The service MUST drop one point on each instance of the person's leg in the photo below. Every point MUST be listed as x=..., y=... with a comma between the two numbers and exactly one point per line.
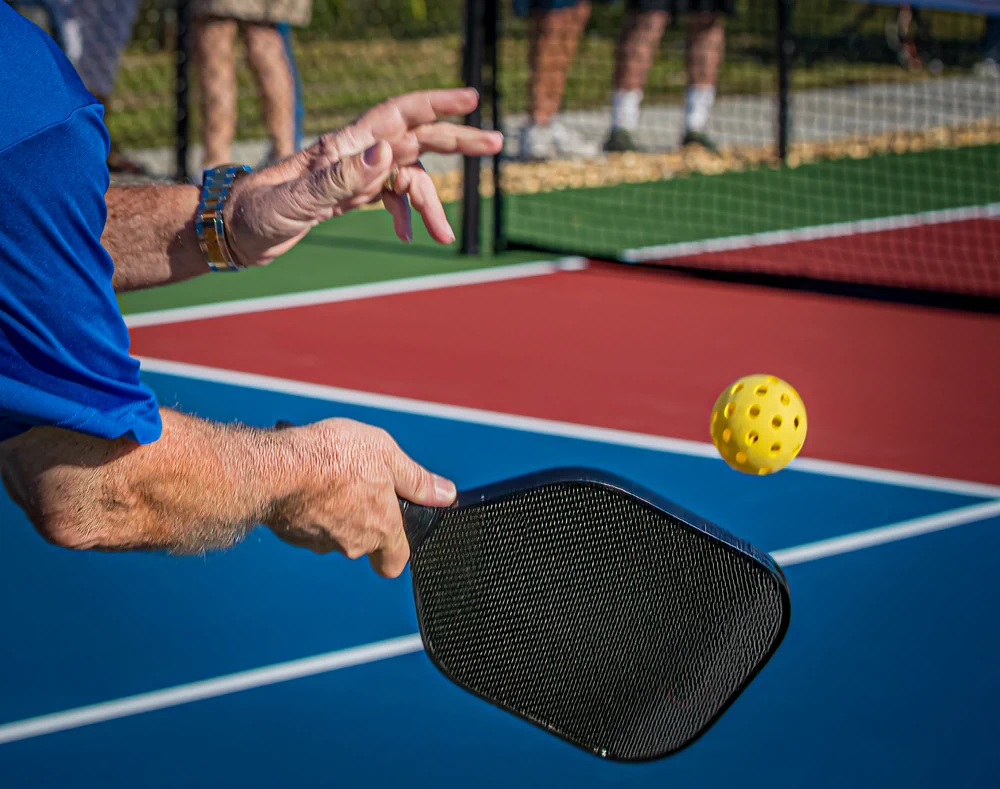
x=909, y=55
x=214, y=41
x=268, y=62
x=554, y=35
x=638, y=43
x=706, y=47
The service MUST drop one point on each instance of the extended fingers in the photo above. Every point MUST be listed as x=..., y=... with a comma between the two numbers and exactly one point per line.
x=402, y=222
x=446, y=138
x=416, y=183
x=402, y=113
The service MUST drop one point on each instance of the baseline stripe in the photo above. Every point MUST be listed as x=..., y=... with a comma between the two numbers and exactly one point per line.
x=209, y=688
x=816, y=232
x=885, y=534
x=404, y=645
x=353, y=292
x=552, y=427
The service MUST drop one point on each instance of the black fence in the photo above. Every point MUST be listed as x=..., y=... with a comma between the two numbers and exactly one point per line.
x=844, y=142
x=823, y=112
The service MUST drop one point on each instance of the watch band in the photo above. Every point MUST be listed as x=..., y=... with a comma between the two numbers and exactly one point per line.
x=209, y=224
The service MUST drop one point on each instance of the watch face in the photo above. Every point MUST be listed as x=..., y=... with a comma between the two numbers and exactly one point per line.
x=209, y=224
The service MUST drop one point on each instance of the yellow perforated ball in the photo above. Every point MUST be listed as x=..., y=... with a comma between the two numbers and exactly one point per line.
x=759, y=424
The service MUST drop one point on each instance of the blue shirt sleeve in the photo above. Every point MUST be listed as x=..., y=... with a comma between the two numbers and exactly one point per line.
x=64, y=347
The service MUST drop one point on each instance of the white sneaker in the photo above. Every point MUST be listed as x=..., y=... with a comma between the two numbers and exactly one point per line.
x=555, y=141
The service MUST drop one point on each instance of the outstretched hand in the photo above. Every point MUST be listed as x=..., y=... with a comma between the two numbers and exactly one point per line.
x=271, y=210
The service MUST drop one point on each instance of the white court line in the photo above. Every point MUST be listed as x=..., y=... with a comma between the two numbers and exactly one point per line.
x=551, y=427
x=403, y=645
x=208, y=688
x=777, y=237
x=354, y=292
x=883, y=534
x=539, y=268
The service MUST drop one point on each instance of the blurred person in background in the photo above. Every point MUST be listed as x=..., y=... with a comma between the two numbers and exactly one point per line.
x=900, y=33
x=556, y=27
x=638, y=44
x=215, y=24
x=96, y=33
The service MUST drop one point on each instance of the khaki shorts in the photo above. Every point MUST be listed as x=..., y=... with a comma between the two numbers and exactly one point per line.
x=292, y=12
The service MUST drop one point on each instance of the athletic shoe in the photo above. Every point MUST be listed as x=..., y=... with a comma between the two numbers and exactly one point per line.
x=700, y=139
x=620, y=141
x=555, y=141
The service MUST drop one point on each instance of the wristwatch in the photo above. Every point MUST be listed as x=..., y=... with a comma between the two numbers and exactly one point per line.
x=208, y=223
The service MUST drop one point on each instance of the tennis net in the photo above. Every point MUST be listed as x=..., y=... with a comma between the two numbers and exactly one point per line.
x=831, y=140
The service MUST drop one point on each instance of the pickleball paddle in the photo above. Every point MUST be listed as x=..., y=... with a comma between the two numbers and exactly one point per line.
x=593, y=609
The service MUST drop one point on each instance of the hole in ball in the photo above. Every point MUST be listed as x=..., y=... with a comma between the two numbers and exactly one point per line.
x=776, y=421
x=752, y=437
x=736, y=388
x=775, y=447
x=730, y=409
x=760, y=390
x=795, y=423
x=715, y=417
x=785, y=399
x=727, y=434
x=741, y=457
x=765, y=470
x=754, y=411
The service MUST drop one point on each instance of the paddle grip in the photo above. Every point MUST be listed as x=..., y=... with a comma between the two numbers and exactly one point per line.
x=417, y=522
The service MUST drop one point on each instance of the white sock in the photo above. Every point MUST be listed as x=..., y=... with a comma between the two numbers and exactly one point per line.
x=625, y=109
x=699, y=105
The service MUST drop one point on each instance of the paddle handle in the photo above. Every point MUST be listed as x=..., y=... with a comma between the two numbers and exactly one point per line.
x=417, y=522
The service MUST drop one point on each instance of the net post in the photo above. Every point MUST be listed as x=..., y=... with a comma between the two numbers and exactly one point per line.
x=182, y=92
x=493, y=31
x=786, y=49
x=472, y=75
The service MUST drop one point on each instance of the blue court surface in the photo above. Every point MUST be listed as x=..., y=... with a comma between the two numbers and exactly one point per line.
x=888, y=675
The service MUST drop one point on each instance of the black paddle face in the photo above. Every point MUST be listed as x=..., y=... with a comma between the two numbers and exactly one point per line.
x=615, y=620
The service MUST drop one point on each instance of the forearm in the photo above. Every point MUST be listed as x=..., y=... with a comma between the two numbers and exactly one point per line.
x=150, y=235
x=200, y=486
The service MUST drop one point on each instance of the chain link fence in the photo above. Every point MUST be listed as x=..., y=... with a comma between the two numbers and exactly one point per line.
x=162, y=66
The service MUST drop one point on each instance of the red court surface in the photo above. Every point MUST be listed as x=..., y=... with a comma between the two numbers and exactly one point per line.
x=897, y=387
x=955, y=257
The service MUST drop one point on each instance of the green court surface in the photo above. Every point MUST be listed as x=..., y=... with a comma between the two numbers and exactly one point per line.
x=349, y=250
x=360, y=247
x=696, y=207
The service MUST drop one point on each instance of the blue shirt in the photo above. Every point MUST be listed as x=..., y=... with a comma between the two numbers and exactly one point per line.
x=64, y=347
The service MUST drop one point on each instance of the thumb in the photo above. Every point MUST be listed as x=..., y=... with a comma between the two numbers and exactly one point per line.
x=343, y=185
x=415, y=483
x=357, y=179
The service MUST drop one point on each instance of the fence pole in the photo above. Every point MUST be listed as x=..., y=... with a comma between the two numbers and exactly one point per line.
x=472, y=74
x=786, y=51
x=182, y=84
x=493, y=32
